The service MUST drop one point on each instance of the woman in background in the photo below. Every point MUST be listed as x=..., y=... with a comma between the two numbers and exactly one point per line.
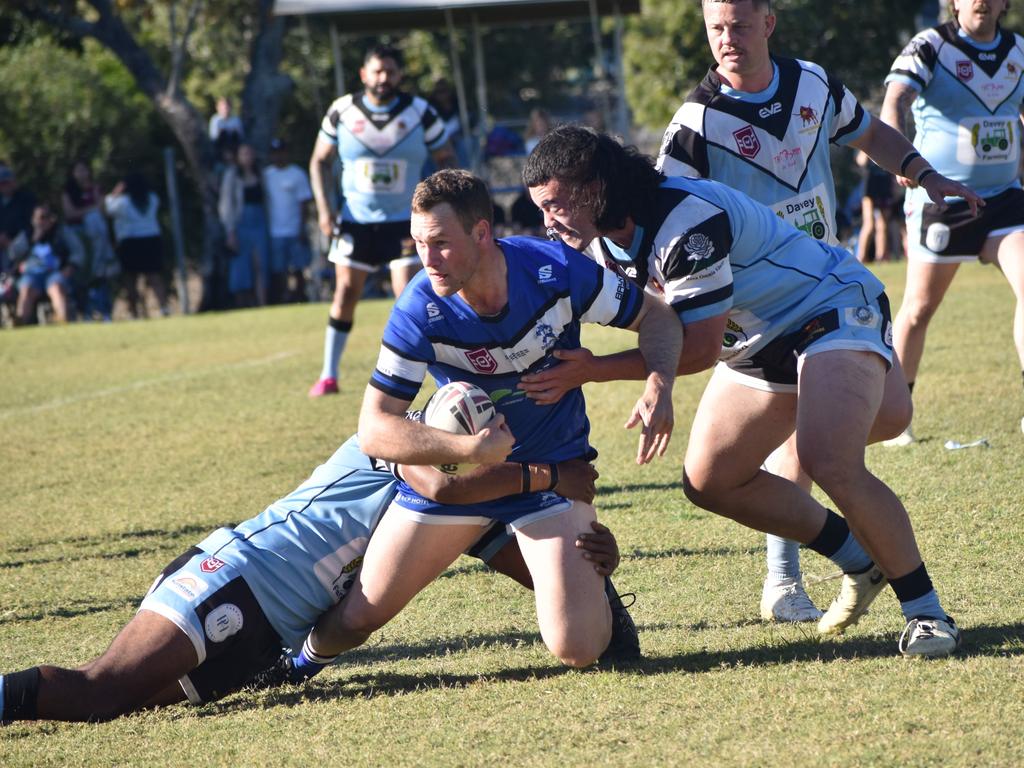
x=132, y=206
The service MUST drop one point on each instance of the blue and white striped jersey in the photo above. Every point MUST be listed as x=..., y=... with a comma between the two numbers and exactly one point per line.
x=382, y=152
x=552, y=289
x=708, y=249
x=773, y=145
x=302, y=554
x=967, y=113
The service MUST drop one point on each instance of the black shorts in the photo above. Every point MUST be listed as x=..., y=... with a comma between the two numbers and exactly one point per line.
x=239, y=641
x=776, y=363
x=878, y=189
x=142, y=255
x=954, y=234
x=369, y=246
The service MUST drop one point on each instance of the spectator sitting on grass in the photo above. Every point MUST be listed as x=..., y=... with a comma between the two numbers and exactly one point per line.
x=45, y=260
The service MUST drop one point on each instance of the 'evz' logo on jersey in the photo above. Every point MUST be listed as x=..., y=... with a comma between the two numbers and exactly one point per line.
x=746, y=141
x=544, y=274
x=482, y=360
x=964, y=69
x=771, y=109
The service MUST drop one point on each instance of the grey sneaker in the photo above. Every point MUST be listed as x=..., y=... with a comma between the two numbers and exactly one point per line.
x=787, y=601
x=903, y=439
x=858, y=591
x=929, y=638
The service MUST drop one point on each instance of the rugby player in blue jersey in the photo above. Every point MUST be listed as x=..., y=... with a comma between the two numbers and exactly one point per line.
x=227, y=609
x=488, y=311
x=964, y=83
x=769, y=305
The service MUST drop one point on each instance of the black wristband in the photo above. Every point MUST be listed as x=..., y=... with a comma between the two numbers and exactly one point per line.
x=553, y=468
x=925, y=174
x=912, y=155
x=526, y=476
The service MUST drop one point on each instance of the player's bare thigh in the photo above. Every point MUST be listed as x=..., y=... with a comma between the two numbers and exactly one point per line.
x=572, y=611
x=734, y=431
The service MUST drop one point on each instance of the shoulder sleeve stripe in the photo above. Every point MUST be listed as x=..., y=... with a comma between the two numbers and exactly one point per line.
x=859, y=116
x=894, y=74
x=400, y=353
x=392, y=391
x=704, y=299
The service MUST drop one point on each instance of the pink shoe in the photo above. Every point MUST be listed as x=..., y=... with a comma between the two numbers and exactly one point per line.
x=324, y=387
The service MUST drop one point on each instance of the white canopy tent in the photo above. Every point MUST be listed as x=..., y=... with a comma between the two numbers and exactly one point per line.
x=375, y=16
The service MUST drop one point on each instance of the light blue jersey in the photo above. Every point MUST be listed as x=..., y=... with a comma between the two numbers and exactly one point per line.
x=708, y=249
x=382, y=151
x=552, y=289
x=774, y=145
x=967, y=113
x=302, y=554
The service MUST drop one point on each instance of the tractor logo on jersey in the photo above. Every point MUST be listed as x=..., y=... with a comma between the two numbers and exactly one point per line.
x=746, y=141
x=734, y=334
x=965, y=69
x=482, y=360
x=809, y=115
x=992, y=139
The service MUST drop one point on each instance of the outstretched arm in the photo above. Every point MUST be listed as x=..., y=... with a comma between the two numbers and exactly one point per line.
x=573, y=479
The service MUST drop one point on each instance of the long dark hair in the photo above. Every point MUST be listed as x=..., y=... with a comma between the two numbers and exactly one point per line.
x=137, y=189
x=618, y=181
x=71, y=185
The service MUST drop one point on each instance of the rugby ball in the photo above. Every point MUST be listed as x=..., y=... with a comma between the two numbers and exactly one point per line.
x=461, y=408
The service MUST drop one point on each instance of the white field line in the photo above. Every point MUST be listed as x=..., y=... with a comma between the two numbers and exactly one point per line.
x=141, y=384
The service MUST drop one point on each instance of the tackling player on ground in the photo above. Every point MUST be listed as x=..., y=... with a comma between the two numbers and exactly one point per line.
x=224, y=611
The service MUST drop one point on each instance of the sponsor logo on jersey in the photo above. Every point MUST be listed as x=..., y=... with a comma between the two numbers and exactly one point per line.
x=620, y=289
x=964, y=69
x=223, y=621
x=987, y=56
x=433, y=312
x=189, y=587
x=544, y=274
x=211, y=564
x=1011, y=68
x=358, y=126
x=353, y=565
x=746, y=141
x=772, y=109
x=698, y=247
x=734, y=334
x=809, y=115
x=482, y=360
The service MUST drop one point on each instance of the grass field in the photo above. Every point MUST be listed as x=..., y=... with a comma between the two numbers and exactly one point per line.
x=124, y=444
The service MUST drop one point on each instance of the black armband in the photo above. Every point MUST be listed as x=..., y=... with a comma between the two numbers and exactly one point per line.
x=912, y=155
x=21, y=689
x=553, y=468
x=925, y=174
x=526, y=477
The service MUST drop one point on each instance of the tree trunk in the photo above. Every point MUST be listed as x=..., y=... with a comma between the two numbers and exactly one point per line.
x=265, y=87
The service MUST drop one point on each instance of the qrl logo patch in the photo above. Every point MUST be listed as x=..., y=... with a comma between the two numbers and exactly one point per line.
x=746, y=141
x=482, y=360
x=211, y=564
x=964, y=69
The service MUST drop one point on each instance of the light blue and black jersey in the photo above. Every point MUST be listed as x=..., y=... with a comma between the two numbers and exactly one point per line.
x=774, y=145
x=302, y=554
x=708, y=249
x=382, y=152
x=552, y=289
x=967, y=113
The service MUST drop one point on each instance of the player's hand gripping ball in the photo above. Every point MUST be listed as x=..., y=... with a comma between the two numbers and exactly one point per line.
x=461, y=408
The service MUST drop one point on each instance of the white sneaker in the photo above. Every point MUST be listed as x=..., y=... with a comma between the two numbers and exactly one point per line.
x=855, y=595
x=930, y=637
x=787, y=601
x=905, y=438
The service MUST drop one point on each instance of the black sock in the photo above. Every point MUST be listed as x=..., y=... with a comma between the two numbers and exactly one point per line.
x=21, y=689
x=832, y=535
x=915, y=584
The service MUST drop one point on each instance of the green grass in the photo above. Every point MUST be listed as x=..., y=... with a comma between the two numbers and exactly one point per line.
x=123, y=444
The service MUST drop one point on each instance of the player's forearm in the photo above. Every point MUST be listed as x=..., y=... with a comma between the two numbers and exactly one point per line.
x=487, y=482
x=393, y=438
x=661, y=341
x=890, y=149
x=319, y=177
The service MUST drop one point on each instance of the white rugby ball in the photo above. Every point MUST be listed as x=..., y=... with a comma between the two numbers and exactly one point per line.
x=461, y=408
